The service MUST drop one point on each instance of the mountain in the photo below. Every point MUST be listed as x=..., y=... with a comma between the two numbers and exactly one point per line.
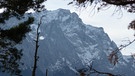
x=67, y=44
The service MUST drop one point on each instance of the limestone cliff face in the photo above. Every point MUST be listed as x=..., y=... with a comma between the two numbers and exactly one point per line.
x=67, y=44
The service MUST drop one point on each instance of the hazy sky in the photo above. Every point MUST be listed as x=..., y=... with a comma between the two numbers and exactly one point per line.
x=114, y=24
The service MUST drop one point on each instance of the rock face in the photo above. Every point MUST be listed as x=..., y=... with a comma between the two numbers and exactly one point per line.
x=67, y=44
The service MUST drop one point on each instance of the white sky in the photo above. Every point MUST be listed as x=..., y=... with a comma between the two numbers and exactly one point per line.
x=115, y=25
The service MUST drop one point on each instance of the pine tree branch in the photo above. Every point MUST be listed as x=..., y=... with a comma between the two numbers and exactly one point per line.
x=90, y=71
x=113, y=57
x=120, y=2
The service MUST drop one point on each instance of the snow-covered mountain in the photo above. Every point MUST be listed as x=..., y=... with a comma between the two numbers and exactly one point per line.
x=67, y=44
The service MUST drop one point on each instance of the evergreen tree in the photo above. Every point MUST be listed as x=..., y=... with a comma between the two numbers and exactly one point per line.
x=9, y=55
x=18, y=7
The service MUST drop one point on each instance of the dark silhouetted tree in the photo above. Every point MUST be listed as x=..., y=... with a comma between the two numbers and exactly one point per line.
x=36, y=57
x=18, y=7
x=9, y=55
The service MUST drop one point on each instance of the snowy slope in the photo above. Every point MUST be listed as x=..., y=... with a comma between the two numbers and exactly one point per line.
x=67, y=44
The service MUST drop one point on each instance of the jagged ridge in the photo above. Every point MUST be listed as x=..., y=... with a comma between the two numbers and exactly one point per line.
x=67, y=44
